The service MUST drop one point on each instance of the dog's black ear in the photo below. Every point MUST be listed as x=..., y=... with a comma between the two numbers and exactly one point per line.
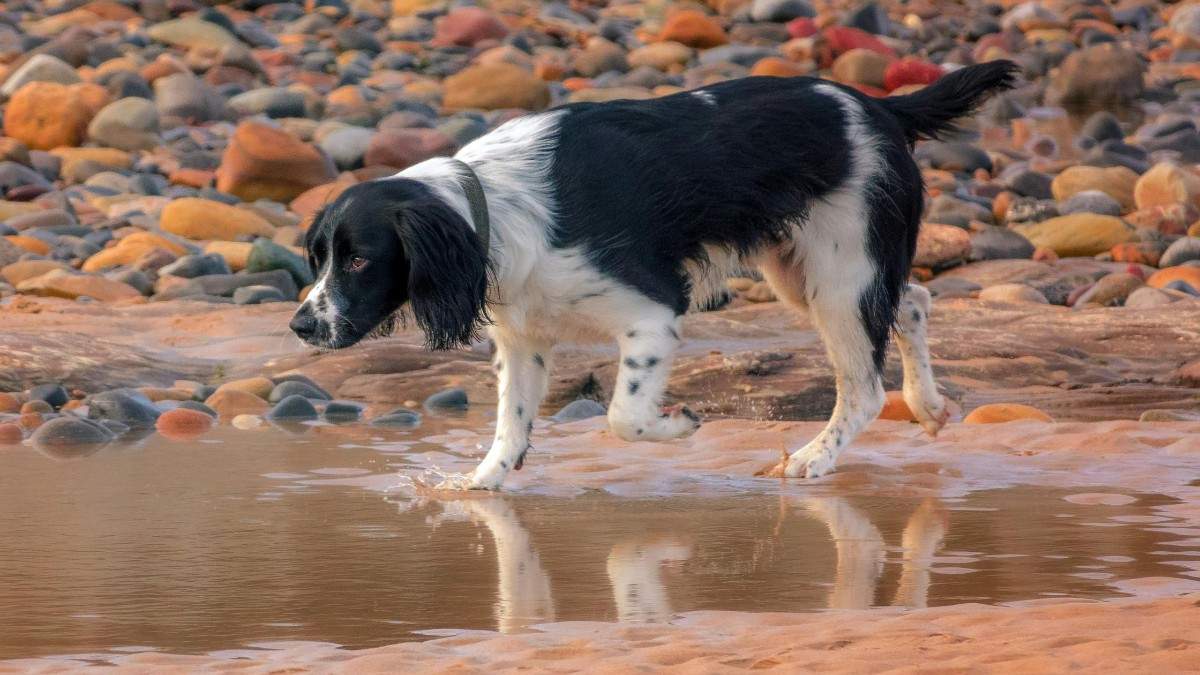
x=448, y=273
x=310, y=239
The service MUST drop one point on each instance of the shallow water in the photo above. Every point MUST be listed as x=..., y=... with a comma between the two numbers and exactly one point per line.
x=250, y=538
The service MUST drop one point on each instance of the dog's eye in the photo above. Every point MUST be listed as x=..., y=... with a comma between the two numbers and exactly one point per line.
x=357, y=264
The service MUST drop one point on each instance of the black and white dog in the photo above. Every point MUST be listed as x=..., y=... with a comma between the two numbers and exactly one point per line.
x=609, y=220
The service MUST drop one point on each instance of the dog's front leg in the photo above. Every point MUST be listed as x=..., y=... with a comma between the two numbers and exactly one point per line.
x=523, y=366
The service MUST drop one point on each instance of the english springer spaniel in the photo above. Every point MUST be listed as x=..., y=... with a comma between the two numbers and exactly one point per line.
x=609, y=220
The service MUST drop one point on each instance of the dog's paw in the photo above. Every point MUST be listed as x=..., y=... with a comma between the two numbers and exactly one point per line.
x=487, y=476
x=800, y=465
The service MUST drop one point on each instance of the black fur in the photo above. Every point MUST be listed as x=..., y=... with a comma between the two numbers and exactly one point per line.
x=420, y=250
x=931, y=112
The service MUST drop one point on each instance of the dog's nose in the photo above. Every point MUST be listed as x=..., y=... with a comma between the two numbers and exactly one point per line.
x=303, y=324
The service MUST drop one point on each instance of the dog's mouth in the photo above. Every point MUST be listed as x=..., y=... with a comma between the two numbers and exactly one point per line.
x=343, y=333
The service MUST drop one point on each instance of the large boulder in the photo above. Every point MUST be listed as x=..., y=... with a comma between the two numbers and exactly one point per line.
x=265, y=162
x=495, y=86
x=45, y=115
x=196, y=218
x=1079, y=234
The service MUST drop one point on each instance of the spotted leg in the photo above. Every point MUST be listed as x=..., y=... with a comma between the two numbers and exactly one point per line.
x=920, y=390
x=522, y=366
x=647, y=348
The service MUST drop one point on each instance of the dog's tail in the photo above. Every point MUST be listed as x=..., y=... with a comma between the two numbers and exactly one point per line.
x=931, y=112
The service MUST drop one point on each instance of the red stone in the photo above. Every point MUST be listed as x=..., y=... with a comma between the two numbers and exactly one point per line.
x=802, y=27
x=467, y=26
x=910, y=70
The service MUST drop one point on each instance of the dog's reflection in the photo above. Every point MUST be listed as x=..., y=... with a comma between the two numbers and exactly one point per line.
x=861, y=552
x=635, y=566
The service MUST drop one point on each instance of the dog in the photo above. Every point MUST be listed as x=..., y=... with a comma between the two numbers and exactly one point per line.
x=608, y=221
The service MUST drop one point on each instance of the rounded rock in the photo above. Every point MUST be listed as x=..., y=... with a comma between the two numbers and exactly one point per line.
x=183, y=423
x=447, y=399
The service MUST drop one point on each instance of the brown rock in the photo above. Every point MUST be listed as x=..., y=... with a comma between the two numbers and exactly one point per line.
x=9, y=403
x=235, y=253
x=1185, y=273
x=28, y=243
x=28, y=269
x=941, y=246
x=773, y=66
x=465, y=26
x=63, y=284
x=694, y=29
x=230, y=403
x=183, y=424
x=896, y=409
x=196, y=218
x=11, y=434
x=1079, y=234
x=660, y=55
x=265, y=162
x=46, y=115
x=311, y=200
x=1013, y=293
x=258, y=386
x=1142, y=252
x=494, y=87
x=401, y=148
x=861, y=66
x=1167, y=184
x=996, y=413
x=1104, y=74
x=1115, y=181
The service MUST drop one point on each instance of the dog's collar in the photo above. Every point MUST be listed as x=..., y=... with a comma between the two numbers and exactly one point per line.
x=470, y=184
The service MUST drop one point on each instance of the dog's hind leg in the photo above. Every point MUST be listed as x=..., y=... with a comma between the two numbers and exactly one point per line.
x=523, y=368
x=647, y=348
x=920, y=390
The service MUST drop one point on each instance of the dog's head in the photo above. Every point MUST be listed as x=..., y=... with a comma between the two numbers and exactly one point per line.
x=385, y=243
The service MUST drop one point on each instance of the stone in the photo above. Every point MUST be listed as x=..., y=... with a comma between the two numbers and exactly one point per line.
x=196, y=218
x=910, y=71
x=953, y=287
x=342, y=412
x=1102, y=126
x=1140, y=252
x=774, y=66
x=225, y=285
x=493, y=87
x=447, y=399
x=467, y=26
x=579, y=409
x=266, y=255
x=960, y=157
x=190, y=33
x=861, y=66
x=54, y=395
x=235, y=253
x=19, y=271
x=46, y=115
x=996, y=413
x=895, y=408
x=940, y=246
x=1165, y=184
x=247, y=421
x=402, y=148
x=1013, y=293
x=1145, y=297
x=348, y=146
x=39, y=68
x=125, y=406
x=663, y=56
x=230, y=403
x=1034, y=184
x=400, y=417
x=1111, y=290
x=780, y=11
x=294, y=409
x=1187, y=274
x=1090, y=201
x=694, y=29
x=257, y=295
x=269, y=101
x=258, y=386
x=11, y=434
x=948, y=210
x=1115, y=181
x=1106, y=74
x=35, y=406
x=190, y=266
x=265, y=162
x=297, y=388
x=1179, y=252
x=600, y=56
x=999, y=243
x=63, y=284
x=1079, y=234
x=182, y=424
x=69, y=433
x=185, y=97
